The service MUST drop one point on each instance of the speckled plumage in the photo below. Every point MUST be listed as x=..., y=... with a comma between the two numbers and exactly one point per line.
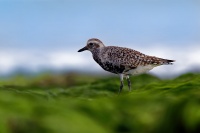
x=120, y=60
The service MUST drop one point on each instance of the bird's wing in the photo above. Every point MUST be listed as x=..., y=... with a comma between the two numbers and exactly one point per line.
x=130, y=59
x=123, y=57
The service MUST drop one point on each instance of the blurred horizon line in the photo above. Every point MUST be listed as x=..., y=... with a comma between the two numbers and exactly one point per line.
x=13, y=61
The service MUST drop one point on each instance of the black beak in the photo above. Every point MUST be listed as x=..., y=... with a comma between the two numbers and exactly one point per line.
x=83, y=49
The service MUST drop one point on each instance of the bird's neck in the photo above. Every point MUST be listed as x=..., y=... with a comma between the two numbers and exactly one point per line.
x=96, y=55
x=96, y=50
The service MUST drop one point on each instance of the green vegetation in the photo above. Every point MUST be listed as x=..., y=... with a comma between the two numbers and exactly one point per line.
x=87, y=104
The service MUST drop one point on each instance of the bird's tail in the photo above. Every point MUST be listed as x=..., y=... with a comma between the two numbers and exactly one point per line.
x=159, y=61
x=166, y=62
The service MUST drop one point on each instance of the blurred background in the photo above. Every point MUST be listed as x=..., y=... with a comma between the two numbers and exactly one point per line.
x=46, y=86
x=39, y=36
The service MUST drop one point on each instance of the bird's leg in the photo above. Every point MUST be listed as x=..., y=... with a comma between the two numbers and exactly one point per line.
x=129, y=82
x=122, y=83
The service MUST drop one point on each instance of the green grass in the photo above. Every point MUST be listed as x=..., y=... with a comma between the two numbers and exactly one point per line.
x=88, y=104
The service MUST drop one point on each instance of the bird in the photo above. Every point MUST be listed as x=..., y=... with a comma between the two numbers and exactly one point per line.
x=122, y=61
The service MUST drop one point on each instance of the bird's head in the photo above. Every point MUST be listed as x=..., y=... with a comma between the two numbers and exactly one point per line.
x=92, y=44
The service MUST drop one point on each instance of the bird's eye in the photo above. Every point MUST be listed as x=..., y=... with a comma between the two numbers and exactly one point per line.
x=90, y=44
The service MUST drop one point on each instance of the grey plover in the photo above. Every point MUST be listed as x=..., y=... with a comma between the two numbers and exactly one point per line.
x=122, y=61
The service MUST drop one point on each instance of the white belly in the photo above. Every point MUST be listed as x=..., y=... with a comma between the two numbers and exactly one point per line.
x=140, y=69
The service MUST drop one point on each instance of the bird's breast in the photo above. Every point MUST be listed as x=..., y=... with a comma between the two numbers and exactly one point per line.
x=111, y=67
x=108, y=65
